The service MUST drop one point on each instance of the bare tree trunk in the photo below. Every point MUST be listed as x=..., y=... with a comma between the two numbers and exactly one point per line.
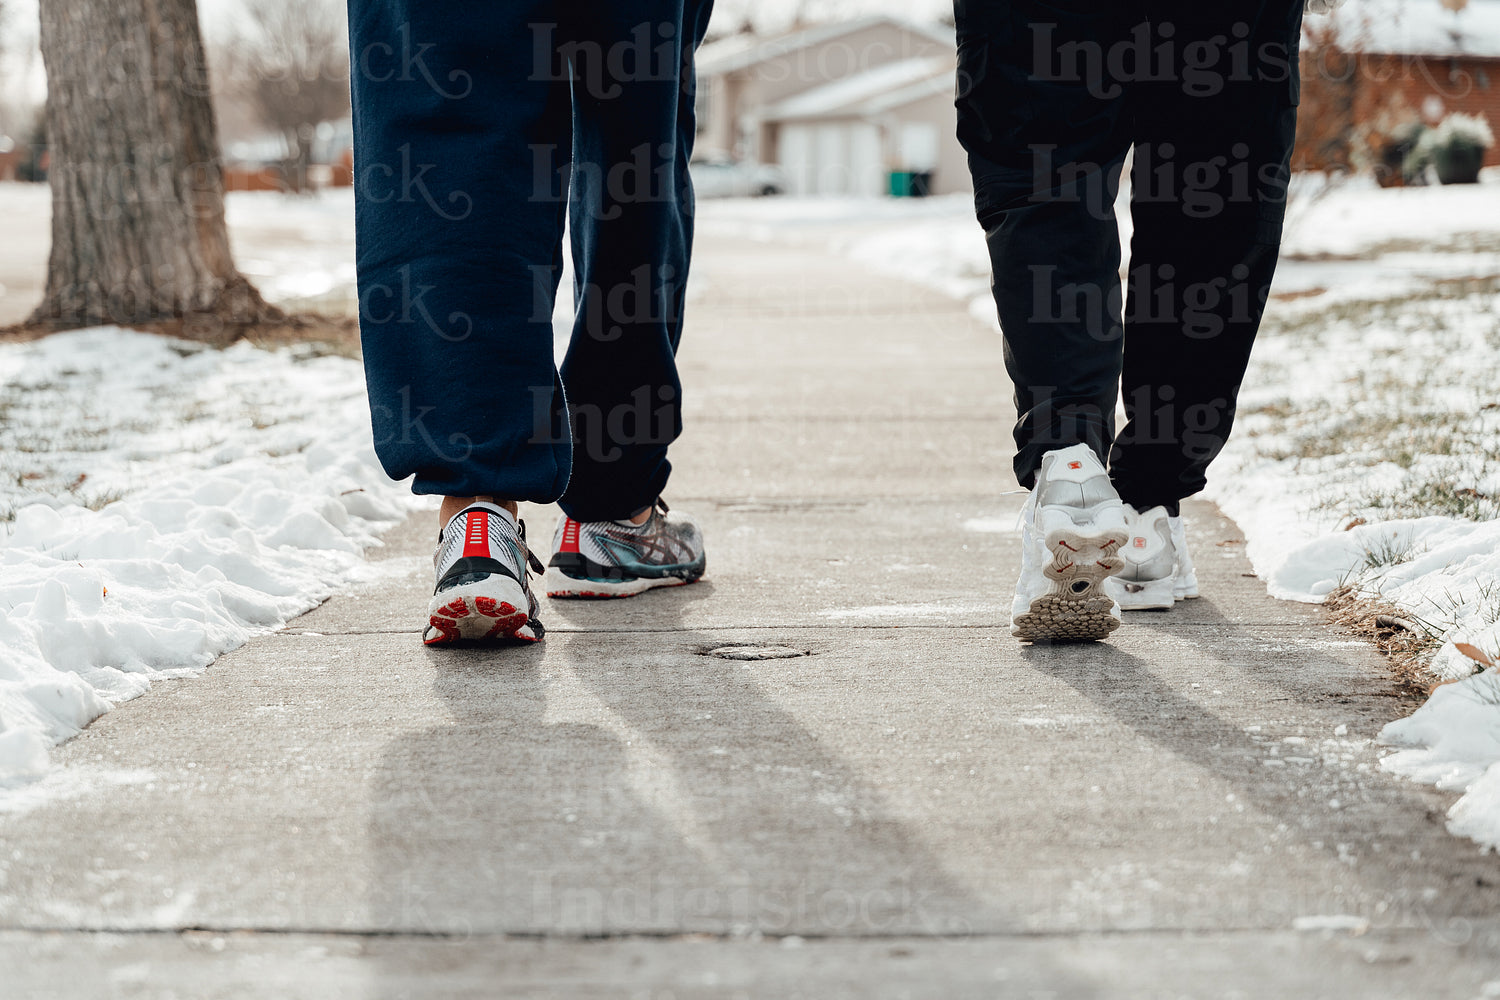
x=138, y=231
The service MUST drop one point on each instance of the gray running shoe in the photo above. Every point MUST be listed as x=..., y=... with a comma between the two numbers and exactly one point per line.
x=620, y=559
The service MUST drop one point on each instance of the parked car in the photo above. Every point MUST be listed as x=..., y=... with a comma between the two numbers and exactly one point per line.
x=723, y=177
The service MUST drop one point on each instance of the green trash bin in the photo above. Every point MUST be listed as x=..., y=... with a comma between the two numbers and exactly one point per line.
x=910, y=183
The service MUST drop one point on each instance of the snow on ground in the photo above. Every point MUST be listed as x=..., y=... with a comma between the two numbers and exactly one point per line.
x=161, y=503
x=1370, y=405
x=299, y=251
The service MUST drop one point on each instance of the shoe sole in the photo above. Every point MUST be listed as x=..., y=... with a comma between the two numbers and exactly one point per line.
x=1148, y=595
x=487, y=612
x=1076, y=608
x=564, y=587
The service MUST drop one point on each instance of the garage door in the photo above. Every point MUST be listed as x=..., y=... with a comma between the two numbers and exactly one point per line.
x=832, y=158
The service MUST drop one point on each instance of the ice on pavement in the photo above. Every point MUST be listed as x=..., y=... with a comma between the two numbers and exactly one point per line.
x=164, y=504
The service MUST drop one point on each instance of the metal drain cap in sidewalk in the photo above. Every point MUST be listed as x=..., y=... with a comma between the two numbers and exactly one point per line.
x=755, y=652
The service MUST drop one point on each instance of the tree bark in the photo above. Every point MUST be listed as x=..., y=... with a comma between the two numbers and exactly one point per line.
x=138, y=234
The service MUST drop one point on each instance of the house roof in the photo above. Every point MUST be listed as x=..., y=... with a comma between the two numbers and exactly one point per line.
x=886, y=86
x=743, y=51
x=1414, y=28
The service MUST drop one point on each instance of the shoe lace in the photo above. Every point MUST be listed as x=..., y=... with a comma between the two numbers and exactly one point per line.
x=532, y=562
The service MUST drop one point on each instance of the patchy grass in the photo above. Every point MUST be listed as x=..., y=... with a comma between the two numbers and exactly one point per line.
x=1388, y=405
x=1409, y=640
x=1408, y=643
x=1382, y=410
x=1441, y=496
x=1387, y=551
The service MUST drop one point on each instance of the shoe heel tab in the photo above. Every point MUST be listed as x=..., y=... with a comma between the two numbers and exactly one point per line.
x=570, y=532
x=489, y=508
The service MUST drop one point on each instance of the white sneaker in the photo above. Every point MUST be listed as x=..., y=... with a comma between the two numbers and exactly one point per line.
x=1149, y=580
x=1186, y=586
x=1158, y=569
x=1072, y=528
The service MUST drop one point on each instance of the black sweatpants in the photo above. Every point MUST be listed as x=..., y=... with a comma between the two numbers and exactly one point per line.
x=1052, y=94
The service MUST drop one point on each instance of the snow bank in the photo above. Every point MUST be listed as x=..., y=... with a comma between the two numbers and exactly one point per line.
x=1453, y=742
x=234, y=489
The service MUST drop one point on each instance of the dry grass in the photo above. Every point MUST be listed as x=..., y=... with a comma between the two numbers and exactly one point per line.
x=1406, y=643
x=327, y=334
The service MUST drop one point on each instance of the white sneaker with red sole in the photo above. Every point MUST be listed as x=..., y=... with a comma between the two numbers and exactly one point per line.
x=482, y=594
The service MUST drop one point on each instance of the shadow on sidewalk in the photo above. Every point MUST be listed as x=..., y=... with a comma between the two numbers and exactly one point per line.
x=694, y=804
x=1403, y=851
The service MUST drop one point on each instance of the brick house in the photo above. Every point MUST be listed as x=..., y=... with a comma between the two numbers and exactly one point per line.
x=1375, y=66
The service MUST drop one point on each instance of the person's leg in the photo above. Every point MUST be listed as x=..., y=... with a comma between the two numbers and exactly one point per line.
x=1042, y=119
x=454, y=122
x=632, y=230
x=1213, y=145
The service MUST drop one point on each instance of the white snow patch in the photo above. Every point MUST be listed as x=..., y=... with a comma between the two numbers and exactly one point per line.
x=59, y=784
x=904, y=611
x=1331, y=922
x=1008, y=525
x=167, y=502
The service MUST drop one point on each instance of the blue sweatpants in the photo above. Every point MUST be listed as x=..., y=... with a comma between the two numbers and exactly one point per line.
x=478, y=130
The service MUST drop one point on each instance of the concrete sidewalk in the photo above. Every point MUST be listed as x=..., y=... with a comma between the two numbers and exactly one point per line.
x=908, y=804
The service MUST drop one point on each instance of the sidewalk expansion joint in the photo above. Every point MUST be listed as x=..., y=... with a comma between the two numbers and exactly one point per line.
x=832, y=626
x=672, y=935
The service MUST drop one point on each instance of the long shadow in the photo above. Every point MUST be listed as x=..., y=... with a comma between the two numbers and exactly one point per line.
x=811, y=846
x=504, y=822
x=1389, y=847
x=710, y=810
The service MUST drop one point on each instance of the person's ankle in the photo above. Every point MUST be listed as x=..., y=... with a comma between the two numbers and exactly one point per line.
x=453, y=506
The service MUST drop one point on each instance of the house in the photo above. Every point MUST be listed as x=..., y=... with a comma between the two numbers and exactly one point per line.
x=840, y=107
x=1376, y=66
x=11, y=158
